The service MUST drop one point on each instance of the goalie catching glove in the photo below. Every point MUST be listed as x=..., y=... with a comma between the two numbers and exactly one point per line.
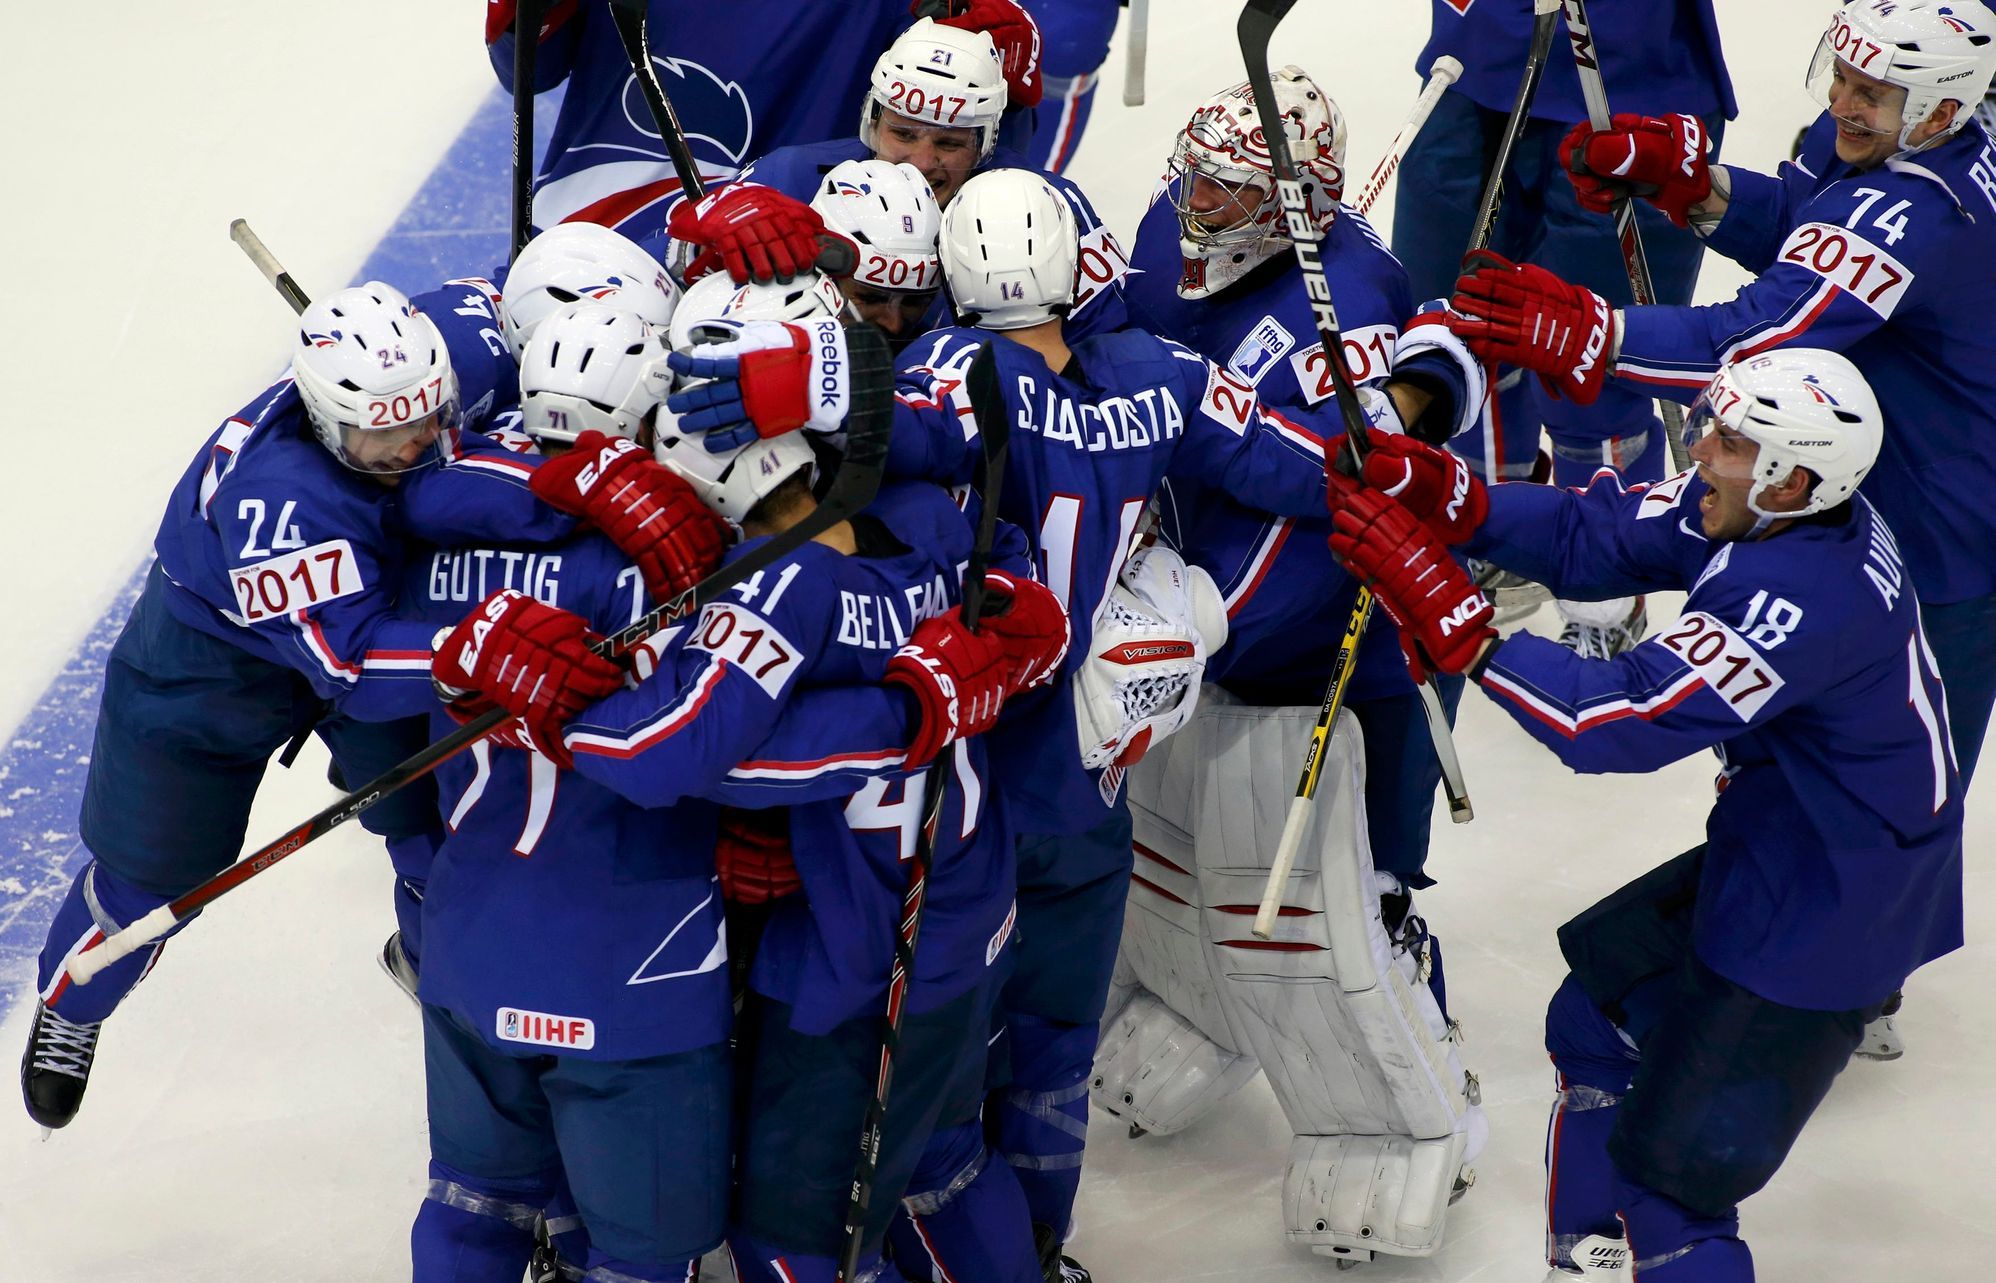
x=531, y=659
x=646, y=509
x=960, y=679
x=769, y=379
x=1140, y=682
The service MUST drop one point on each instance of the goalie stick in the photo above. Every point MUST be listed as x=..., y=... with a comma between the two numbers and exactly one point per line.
x=1628, y=236
x=869, y=428
x=1257, y=24
x=994, y=437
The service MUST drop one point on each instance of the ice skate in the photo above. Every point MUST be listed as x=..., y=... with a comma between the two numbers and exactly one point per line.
x=1602, y=629
x=1881, y=1036
x=1596, y=1259
x=1056, y=1267
x=55, y=1068
x=396, y=963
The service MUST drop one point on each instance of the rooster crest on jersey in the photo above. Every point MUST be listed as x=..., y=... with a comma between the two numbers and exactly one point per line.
x=726, y=119
x=1224, y=232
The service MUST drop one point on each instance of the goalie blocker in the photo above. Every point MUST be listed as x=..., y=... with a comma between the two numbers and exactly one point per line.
x=1384, y=1113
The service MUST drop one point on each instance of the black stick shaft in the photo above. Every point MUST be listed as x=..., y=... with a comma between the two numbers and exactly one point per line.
x=526, y=46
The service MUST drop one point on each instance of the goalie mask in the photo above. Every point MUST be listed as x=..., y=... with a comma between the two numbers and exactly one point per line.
x=1140, y=682
x=375, y=378
x=1229, y=217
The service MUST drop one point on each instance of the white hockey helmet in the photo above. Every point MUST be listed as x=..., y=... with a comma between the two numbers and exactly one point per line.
x=582, y=262
x=715, y=297
x=1009, y=245
x=1936, y=50
x=1804, y=407
x=731, y=482
x=1223, y=143
x=941, y=76
x=591, y=367
x=374, y=376
x=890, y=215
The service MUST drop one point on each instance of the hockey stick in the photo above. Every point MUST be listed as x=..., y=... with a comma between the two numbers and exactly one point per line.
x=1443, y=74
x=266, y=262
x=869, y=427
x=1543, y=13
x=526, y=19
x=836, y=255
x=1139, y=51
x=1257, y=25
x=994, y=434
x=1627, y=235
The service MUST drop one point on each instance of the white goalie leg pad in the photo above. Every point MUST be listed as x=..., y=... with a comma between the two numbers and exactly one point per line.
x=1166, y=1055
x=1156, y=1071
x=1354, y=1045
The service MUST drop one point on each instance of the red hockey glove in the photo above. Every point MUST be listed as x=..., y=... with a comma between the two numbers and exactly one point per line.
x=645, y=508
x=756, y=232
x=1444, y=618
x=958, y=678
x=1027, y=619
x=1659, y=158
x=1436, y=486
x=1011, y=28
x=753, y=856
x=530, y=659
x=1525, y=315
x=500, y=14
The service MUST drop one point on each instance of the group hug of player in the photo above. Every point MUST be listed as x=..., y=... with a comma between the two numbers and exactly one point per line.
x=658, y=920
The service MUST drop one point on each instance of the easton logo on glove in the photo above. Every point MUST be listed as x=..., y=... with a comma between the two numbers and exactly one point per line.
x=612, y=450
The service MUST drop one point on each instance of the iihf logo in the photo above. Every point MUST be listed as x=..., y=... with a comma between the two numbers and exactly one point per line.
x=711, y=109
x=512, y=1024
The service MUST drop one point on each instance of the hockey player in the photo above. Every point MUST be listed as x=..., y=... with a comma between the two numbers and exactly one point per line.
x=1876, y=243
x=935, y=101
x=1655, y=57
x=582, y=262
x=869, y=599
x=603, y=1068
x=1096, y=426
x=892, y=220
x=270, y=606
x=1712, y=1001
x=743, y=81
x=1215, y=269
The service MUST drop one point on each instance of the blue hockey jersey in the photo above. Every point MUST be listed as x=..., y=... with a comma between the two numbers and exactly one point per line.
x=1656, y=57
x=1100, y=263
x=559, y=917
x=270, y=544
x=1892, y=267
x=817, y=619
x=1288, y=599
x=744, y=79
x=1834, y=864
x=1089, y=447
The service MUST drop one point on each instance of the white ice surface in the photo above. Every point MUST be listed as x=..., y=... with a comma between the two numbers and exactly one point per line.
x=257, y=1112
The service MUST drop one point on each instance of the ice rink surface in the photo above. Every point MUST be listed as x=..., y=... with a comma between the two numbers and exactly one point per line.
x=257, y=1109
